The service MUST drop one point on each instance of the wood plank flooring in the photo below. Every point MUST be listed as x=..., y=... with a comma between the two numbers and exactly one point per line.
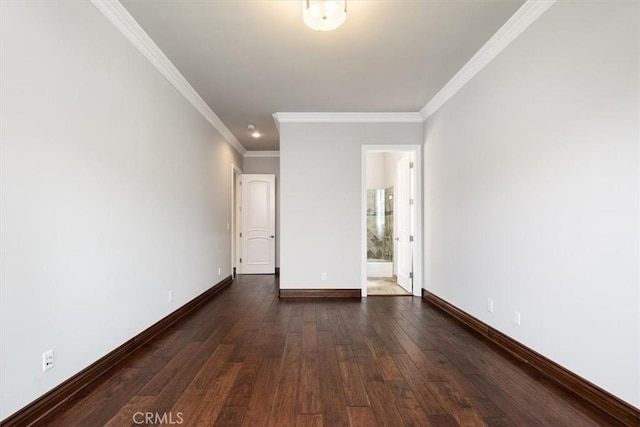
x=248, y=358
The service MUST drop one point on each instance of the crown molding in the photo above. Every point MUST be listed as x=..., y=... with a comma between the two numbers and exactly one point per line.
x=262, y=154
x=346, y=118
x=520, y=21
x=123, y=21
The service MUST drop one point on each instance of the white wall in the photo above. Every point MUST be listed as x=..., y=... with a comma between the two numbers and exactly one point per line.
x=268, y=165
x=320, y=199
x=114, y=191
x=382, y=169
x=532, y=192
x=376, y=171
x=391, y=160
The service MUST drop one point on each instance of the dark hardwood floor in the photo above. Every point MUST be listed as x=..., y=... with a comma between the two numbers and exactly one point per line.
x=249, y=358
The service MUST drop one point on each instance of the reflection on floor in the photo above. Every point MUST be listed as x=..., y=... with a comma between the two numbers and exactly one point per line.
x=384, y=286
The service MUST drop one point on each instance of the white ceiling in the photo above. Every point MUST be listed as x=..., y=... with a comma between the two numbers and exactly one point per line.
x=249, y=59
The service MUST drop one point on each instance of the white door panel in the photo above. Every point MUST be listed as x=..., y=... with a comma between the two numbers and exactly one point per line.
x=403, y=237
x=258, y=224
x=258, y=251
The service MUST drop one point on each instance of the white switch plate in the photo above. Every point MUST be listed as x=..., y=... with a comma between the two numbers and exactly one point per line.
x=219, y=271
x=490, y=305
x=516, y=317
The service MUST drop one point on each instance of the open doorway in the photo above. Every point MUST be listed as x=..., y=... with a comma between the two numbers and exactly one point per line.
x=391, y=251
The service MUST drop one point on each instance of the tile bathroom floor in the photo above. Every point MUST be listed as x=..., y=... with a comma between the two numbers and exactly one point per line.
x=384, y=286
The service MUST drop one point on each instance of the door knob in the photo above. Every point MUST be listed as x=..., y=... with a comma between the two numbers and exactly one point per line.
x=272, y=236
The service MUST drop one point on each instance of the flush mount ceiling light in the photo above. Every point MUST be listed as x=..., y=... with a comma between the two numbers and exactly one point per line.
x=255, y=132
x=324, y=15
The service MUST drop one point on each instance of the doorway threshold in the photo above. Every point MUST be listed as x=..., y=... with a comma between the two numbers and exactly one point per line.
x=385, y=286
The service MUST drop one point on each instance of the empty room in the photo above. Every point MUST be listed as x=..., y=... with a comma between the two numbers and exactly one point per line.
x=320, y=212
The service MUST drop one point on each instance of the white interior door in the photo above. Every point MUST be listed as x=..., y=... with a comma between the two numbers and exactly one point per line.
x=237, y=226
x=258, y=224
x=403, y=234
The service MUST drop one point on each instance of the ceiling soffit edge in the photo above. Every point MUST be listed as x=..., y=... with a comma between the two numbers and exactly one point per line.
x=346, y=118
x=262, y=154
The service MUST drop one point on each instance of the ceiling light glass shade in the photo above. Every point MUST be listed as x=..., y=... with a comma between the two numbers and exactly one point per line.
x=324, y=15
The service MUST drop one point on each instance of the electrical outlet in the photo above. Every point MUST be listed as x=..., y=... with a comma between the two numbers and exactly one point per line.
x=490, y=305
x=47, y=360
x=516, y=317
x=323, y=276
x=219, y=271
x=170, y=296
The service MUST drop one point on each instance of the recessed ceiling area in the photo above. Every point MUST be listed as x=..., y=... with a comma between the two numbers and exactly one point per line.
x=250, y=59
